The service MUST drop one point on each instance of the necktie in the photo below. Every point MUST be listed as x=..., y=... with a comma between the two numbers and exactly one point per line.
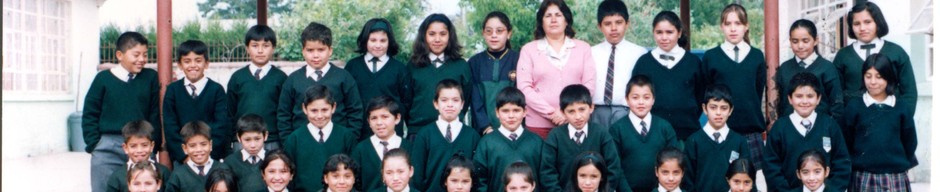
x=384, y=147
x=130, y=76
x=319, y=74
x=438, y=62
x=867, y=49
x=201, y=170
x=802, y=64
x=716, y=135
x=667, y=57
x=807, y=124
x=321, y=136
x=736, y=60
x=643, y=130
x=193, y=88
x=577, y=137
x=253, y=159
x=448, y=136
x=513, y=136
x=375, y=64
x=258, y=74
x=609, y=86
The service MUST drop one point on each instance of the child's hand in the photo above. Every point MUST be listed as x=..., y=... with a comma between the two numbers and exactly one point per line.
x=488, y=130
x=557, y=118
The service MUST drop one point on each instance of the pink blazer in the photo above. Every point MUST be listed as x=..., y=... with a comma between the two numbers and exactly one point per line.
x=542, y=82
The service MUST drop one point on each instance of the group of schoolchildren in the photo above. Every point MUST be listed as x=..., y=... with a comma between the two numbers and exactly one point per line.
x=381, y=125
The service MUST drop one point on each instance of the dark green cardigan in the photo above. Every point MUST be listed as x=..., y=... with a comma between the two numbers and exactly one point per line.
x=560, y=151
x=389, y=81
x=679, y=91
x=881, y=139
x=431, y=152
x=707, y=160
x=496, y=152
x=638, y=153
x=423, y=87
x=784, y=146
x=111, y=103
x=248, y=175
x=209, y=106
x=849, y=65
x=310, y=156
x=342, y=86
x=249, y=96
x=370, y=165
x=746, y=80
x=832, y=102
x=184, y=179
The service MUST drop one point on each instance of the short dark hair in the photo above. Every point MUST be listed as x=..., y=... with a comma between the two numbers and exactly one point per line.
x=447, y=84
x=317, y=32
x=275, y=155
x=563, y=7
x=812, y=155
x=316, y=92
x=195, y=128
x=383, y=102
x=420, y=49
x=876, y=15
x=521, y=168
x=574, y=93
x=590, y=158
x=741, y=165
x=129, y=40
x=885, y=68
x=376, y=25
x=333, y=163
x=396, y=153
x=147, y=166
x=675, y=21
x=261, y=33
x=221, y=175
x=458, y=161
x=510, y=95
x=670, y=153
x=192, y=46
x=498, y=15
x=640, y=81
x=137, y=128
x=250, y=123
x=803, y=79
x=718, y=92
x=611, y=8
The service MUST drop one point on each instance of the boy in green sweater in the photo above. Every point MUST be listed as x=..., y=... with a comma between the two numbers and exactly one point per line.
x=252, y=133
x=254, y=89
x=138, y=146
x=384, y=115
x=320, y=138
x=435, y=144
x=711, y=150
x=509, y=143
x=190, y=175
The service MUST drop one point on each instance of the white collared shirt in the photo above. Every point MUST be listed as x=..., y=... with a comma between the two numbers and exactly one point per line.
x=315, y=131
x=435, y=57
x=559, y=58
x=663, y=189
x=506, y=132
x=272, y=190
x=808, y=60
x=120, y=72
x=455, y=127
x=821, y=188
x=797, y=122
x=625, y=58
x=246, y=156
x=572, y=131
x=636, y=121
x=879, y=43
x=200, y=85
x=890, y=100
x=393, y=143
x=264, y=69
x=382, y=60
x=311, y=72
x=130, y=164
x=406, y=189
x=710, y=131
x=676, y=52
x=205, y=170
x=743, y=50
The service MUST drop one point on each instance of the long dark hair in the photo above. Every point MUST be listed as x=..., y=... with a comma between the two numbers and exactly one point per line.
x=589, y=158
x=419, y=55
x=885, y=68
x=375, y=25
x=810, y=28
x=563, y=7
x=673, y=19
x=499, y=15
x=742, y=15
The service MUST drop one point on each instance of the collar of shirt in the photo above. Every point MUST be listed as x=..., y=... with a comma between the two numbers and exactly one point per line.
x=200, y=85
x=636, y=121
x=264, y=69
x=311, y=71
x=315, y=131
x=808, y=60
x=572, y=131
x=821, y=188
x=407, y=188
x=455, y=127
x=393, y=143
x=120, y=72
x=246, y=155
x=272, y=190
x=663, y=189
x=435, y=57
x=560, y=58
x=626, y=55
x=382, y=60
x=192, y=165
x=130, y=164
x=797, y=121
x=743, y=49
x=890, y=100
x=676, y=52
x=506, y=132
x=709, y=131
x=879, y=43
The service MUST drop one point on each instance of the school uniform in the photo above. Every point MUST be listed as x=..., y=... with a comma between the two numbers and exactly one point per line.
x=829, y=81
x=615, y=66
x=561, y=149
x=745, y=73
x=544, y=72
x=789, y=138
x=246, y=169
x=310, y=150
x=660, y=188
x=499, y=149
x=423, y=87
x=432, y=150
x=679, y=84
x=255, y=90
x=369, y=154
x=114, y=99
x=849, y=60
x=822, y=188
x=882, y=139
x=348, y=113
x=638, y=141
x=188, y=176
x=709, y=153
x=387, y=76
x=407, y=189
x=117, y=182
x=491, y=72
x=204, y=100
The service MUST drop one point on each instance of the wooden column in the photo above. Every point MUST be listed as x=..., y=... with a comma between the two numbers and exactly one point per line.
x=262, y=12
x=164, y=60
x=772, y=55
x=684, y=12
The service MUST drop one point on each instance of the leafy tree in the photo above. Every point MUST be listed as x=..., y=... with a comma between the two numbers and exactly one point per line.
x=241, y=9
x=521, y=15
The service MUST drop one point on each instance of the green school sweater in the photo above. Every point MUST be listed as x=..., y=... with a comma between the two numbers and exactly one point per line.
x=881, y=139
x=849, y=65
x=248, y=175
x=560, y=151
x=310, y=156
x=431, y=152
x=831, y=86
x=184, y=179
x=707, y=160
x=246, y=95
x=679, y=91
x=118, y=180
x=784, y=146
x=746, y=80
x=209, y=106
x=342, y=86
x=638, y=153
x=111, y=103
x=389, y=81
x=423, y=86
x=370, y=165
x=496, y=152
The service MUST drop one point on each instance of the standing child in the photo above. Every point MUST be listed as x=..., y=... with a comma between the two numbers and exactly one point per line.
x=437, y=142
x=711, y=150
x=138, y=146
x=319, y=139
x=190, y=174
x=122, y=94
x=641, y=135
x=397, y=171
x=252, y=134
x=868, y=28
x=142, y=177
x=377, y=72
x=813, y=170
x=614, y=60
x=802, y=130
x=577, y=136
x=492, y=70
x=436, y=56
x=221, y=180
x=384, y=114
x=510, y=143
x=803, y=41
x=254, y=89
x=740, y=176
x=670, y=168
x=519, y=177
x=196, y=98
x=879, y=130
x=317, y=41
x=458, y=175
x=339, y=174
x=742, y=68
x=589, y=174
x=277, y=170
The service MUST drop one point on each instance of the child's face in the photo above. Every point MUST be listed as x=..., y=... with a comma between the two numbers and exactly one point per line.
x=252, y=141
x=496, y=34
x=383, y=123
x=396, y=173
x=319, y=112
x=577, y=114
x=666, y=35
x=260, y=51
x=341, y=180
x=510, y=116
x=733, y=28
x=378, y=43
x=437, y=37
x=718, y=112
x=143, y=181
x=193, y=66
x=875, y=83
x=589, y=178
x=553, y=22
x=812, y=174
x=133, y=59
x=316, y=54
x=277, y=175
x=802, y=43
x=449, y=104
x=740, y=183
x=804, y=100
x=613, y=27
x=459, y=180
x=517, y=183
x=198, y=148
x=138, y=149
x=640, y=100
x=669, y=174
x=864, y=27
x=220, y=186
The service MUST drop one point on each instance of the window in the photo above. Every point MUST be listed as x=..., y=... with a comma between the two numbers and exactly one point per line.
x=923, y=23
x=36, y=59
x=827, y=14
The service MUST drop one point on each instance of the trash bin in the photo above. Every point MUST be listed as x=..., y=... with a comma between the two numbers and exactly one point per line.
x=76, y=139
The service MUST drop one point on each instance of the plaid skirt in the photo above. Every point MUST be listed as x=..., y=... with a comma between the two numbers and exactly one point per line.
x=755, y=142
x=893, y=182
